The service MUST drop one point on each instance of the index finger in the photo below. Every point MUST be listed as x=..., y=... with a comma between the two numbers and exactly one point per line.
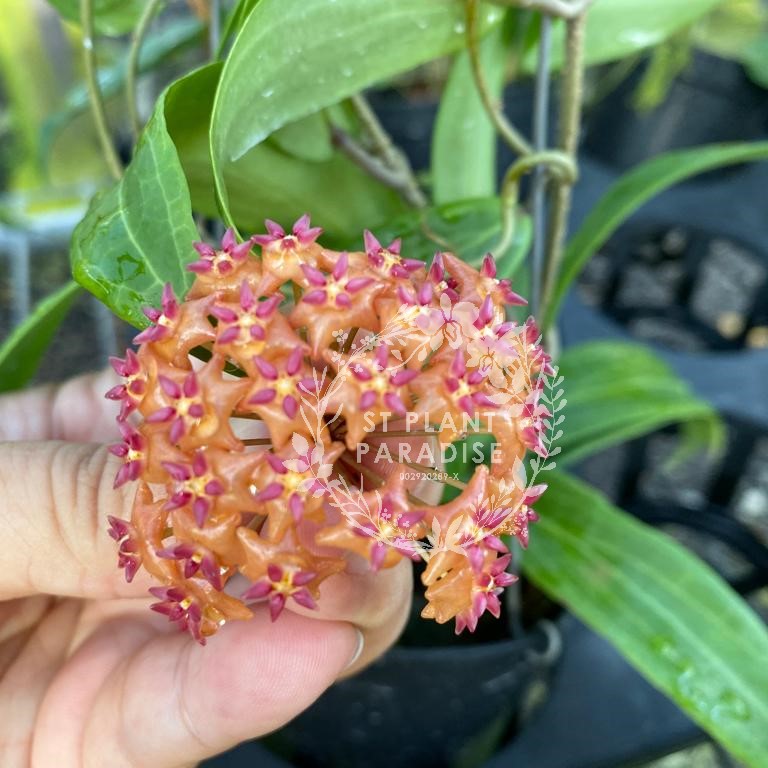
x=55, y=498
x=74, y=410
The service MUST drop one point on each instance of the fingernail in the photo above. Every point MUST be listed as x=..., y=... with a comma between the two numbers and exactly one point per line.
x=358, y=648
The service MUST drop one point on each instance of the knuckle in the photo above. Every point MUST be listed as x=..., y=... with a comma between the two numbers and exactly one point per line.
x=81, y=494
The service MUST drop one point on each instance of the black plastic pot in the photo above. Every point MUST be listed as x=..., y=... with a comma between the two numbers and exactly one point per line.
x=689, y=287
x=688, y=275
x=678, y=314
x=712, y=100
x=715, y=505
x=432, y=707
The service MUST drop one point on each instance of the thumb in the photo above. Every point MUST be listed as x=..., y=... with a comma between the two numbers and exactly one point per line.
x=131, y=697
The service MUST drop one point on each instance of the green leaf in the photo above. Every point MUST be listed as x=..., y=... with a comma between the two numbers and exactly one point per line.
x=617, y=392
x=731, y=28
x=619, y=28
x=667, y=612
x=756, y=61
x=138, y=235
x=267, y=182
x=469, y=228
x=633, y=189
x=157, y=48
x=21, y=352
x=294, y=57
x=307, y=139
x=665, y=63
x=464, y=140
x=470, y=452
x=110, y=17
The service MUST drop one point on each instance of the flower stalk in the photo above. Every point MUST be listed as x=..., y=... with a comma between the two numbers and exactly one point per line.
x=95, y=95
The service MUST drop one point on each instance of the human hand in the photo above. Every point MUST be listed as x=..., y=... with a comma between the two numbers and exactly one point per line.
x=90, y=677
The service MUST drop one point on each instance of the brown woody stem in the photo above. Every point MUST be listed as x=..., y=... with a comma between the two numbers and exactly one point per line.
x=387, y=162
x=399, y=179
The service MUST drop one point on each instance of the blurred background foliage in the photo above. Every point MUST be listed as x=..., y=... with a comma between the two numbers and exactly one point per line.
x=49, y=153
x=50, y=160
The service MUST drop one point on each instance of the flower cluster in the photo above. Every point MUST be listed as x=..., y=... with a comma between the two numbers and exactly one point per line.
x=243, y=413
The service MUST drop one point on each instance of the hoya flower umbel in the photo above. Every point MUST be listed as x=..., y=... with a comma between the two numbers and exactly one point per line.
x=387, y=261
x=227, y=267
x=132, y=390
x=369, y=388
x=279, y=584
x=284, y=255
x=252, y=423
